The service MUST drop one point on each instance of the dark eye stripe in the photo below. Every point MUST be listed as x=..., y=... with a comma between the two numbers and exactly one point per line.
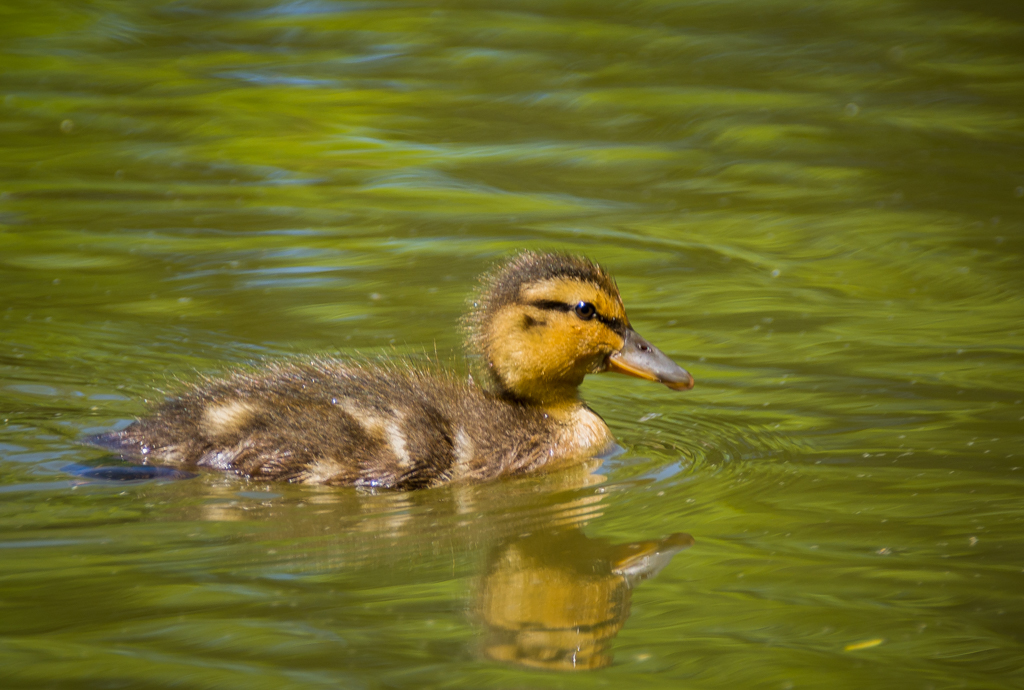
x=554, y=305
x=614, y=324
x=551, y=304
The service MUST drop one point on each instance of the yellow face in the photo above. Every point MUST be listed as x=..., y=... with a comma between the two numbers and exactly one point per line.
x=558, y=331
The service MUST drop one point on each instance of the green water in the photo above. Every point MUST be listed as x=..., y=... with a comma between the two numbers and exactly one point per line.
x=816, y=208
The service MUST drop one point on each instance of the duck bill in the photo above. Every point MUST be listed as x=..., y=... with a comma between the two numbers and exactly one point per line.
x=641, y=359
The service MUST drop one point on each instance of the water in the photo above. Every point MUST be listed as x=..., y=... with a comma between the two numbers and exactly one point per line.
x=815, y=208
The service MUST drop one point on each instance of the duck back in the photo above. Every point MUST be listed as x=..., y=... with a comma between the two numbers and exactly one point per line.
x=333, y=422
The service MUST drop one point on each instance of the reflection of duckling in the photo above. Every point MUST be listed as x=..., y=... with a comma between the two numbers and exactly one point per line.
x=541, y=322
x=557, y=601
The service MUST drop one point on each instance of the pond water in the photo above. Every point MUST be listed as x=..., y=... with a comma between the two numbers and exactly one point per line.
x=816, y=208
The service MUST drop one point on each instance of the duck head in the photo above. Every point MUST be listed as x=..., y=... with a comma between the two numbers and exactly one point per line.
x=542, y=322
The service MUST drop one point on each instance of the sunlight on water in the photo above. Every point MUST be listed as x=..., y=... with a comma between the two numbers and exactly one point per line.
x=816, y=209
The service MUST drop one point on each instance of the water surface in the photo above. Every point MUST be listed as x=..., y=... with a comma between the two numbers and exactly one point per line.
x=817, y=208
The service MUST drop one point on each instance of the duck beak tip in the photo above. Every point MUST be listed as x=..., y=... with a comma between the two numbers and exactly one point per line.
x=641, y=359
x=683, y=385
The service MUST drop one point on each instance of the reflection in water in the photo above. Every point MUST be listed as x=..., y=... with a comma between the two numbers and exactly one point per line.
x=547, y=596
x=555, y=600
x=125, y=472
x=522, y=505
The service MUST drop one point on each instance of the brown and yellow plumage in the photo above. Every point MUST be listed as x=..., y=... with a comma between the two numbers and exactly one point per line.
x=541, y=322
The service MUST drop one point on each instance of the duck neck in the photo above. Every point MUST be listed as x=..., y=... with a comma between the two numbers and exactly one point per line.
x=582, y=430
x=560, y=410
x=553, y=397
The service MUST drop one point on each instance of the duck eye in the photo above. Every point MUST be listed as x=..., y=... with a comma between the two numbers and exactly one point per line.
x=585, y=310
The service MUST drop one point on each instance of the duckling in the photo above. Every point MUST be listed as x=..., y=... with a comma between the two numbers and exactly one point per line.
x=539, y=322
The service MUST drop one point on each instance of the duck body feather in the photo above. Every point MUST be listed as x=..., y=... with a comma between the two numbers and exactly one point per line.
x=334, y=422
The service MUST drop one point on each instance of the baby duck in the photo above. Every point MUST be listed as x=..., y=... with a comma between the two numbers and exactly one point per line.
x=540, y=322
